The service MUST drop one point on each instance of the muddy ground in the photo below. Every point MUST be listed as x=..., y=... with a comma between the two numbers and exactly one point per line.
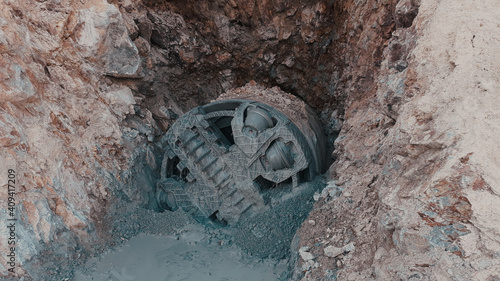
x=172, y=246
x=194, y=253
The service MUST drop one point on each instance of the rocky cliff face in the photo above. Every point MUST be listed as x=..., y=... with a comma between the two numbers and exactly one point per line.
x=88, y=86
x=67, y=130
x=413, y=195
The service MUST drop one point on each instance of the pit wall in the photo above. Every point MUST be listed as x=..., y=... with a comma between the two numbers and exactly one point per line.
x=414, y=193
x=76, y=141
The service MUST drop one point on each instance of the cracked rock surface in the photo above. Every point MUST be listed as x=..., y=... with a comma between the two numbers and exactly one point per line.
x=415, y=157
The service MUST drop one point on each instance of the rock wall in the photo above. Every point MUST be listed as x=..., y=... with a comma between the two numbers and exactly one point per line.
x=67, y=130
x=414, y=194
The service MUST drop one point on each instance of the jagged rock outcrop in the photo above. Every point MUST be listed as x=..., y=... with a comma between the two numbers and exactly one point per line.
x=416, y=193
x=63, y=130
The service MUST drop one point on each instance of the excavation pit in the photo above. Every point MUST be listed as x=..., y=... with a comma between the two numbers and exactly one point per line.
x=237, y=180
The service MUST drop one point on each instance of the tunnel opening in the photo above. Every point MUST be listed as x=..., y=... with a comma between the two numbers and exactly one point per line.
x=290, y=196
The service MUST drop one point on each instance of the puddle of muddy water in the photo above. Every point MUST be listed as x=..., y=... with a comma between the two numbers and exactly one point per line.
x=192, y=256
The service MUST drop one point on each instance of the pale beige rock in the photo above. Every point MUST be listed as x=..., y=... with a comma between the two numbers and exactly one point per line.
x=305, y=255
x=457, y=59
x=332, y=251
